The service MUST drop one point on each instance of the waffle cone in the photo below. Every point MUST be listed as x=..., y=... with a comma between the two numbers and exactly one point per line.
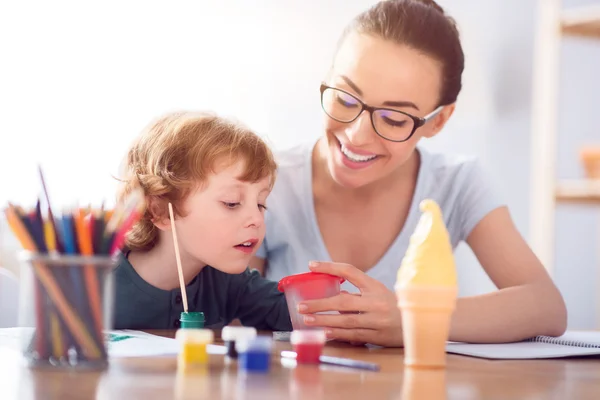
x=426, y=317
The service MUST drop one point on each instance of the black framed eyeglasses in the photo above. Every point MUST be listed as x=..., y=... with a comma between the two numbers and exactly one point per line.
x=390, y=124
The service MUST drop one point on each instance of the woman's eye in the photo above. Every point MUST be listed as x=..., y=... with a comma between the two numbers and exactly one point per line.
x=347, y=101
x=395, y=123
x=262, y=207
x=231, y=205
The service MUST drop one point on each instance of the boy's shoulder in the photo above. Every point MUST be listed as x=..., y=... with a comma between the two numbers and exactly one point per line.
x=122, y=265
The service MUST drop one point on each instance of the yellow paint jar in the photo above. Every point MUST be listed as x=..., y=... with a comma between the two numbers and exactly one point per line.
x=193, y=344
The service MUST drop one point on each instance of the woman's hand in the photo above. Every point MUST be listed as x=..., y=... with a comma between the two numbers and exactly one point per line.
x=369, y=317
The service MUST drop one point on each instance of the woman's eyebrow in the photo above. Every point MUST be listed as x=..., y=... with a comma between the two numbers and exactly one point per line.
x=399, y=103
x=352, y=84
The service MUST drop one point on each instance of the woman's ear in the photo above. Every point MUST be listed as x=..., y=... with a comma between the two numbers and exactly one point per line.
x=159, y=214
x=439, y=121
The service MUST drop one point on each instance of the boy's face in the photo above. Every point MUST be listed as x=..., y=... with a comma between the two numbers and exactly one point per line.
x=224, y=222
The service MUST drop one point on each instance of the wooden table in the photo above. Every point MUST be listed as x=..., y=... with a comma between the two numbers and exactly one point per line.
x=157, y=378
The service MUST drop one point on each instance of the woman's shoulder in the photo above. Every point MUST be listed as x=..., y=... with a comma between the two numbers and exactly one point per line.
x=293, y=170
x=293, y=157
x=293, y=165
x=456, y=179
x=463, y=188
x=449, y=167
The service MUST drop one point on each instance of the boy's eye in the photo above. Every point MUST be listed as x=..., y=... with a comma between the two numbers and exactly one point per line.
x=231, y=205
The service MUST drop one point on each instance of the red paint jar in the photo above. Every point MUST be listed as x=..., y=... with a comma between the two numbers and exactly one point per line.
x=308, y=345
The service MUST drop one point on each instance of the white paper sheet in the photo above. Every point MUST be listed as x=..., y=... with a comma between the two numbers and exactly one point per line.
x=121, y=343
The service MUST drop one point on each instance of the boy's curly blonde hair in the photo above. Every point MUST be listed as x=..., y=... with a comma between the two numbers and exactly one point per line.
x=176, y=154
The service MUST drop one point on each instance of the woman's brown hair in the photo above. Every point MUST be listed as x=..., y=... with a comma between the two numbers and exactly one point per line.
x=423, y=26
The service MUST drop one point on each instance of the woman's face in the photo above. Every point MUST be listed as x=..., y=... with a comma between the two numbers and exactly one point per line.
x=381, y=74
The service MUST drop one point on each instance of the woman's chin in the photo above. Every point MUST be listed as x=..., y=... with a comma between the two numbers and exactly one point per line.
x=349, y=178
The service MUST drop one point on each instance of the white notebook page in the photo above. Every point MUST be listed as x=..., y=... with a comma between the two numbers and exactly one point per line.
x=530, y=350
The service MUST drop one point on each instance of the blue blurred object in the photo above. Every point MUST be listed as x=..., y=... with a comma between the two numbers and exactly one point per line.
x=254, y=355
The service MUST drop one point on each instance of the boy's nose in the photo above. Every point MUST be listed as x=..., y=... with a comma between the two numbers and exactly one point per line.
x=255, y=217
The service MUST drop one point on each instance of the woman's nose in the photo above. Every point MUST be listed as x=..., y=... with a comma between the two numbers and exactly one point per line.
x=360, y=131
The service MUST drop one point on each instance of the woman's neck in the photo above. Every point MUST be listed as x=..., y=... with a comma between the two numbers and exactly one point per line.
x=158, y=266
x=403, y=176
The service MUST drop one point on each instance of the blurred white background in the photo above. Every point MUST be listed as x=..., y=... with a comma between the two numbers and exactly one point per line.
x=79, y=80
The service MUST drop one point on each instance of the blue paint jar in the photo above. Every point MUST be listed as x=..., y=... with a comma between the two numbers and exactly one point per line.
x=254, y=354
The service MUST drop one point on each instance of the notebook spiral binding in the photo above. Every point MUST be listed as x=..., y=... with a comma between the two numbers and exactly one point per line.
x=564, y=342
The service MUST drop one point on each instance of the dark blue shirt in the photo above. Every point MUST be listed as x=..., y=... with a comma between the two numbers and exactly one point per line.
x=222, y=297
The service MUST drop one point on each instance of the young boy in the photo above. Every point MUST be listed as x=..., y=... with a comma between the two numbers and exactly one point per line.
x=217, y=175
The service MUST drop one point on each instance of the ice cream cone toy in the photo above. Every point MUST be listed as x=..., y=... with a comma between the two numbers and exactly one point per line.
x=427, y=289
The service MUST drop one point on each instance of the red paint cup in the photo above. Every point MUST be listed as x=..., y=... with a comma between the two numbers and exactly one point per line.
x=307, y=286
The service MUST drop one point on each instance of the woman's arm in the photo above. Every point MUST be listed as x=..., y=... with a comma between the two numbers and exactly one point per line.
x=527, y=304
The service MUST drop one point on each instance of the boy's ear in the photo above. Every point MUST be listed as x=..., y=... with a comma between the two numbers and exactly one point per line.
x=160, y=214
x=439, y=121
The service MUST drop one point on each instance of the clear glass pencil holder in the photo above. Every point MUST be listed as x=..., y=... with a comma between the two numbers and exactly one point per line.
x=65, y=308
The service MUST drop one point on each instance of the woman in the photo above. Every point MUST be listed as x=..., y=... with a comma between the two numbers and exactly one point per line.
x=353, y=196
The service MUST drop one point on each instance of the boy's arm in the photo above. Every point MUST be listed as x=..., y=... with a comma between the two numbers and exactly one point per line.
x=257, y=302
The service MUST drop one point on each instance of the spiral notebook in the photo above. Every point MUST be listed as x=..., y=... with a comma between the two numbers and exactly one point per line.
x=571, y=344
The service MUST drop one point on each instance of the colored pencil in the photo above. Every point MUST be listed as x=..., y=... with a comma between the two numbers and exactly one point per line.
x=84, y=235
x=54, y=291
x=338, y=361
x=68, y=296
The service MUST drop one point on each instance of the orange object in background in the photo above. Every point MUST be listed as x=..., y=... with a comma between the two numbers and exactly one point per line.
x=590, y=158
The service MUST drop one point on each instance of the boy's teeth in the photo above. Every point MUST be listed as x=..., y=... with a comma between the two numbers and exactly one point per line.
x=355, y=157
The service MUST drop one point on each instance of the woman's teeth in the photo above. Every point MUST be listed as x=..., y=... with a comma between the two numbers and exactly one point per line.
x=355, y=157
x=246, y=244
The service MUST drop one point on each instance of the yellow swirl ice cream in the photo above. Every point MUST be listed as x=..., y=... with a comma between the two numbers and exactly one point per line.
x=429, y=259
x=427, y=290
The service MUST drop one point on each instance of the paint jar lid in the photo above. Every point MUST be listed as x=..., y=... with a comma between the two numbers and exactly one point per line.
x=192, y=335
x=192, y=319
x=312, y=277
x=259, y=344
x=313, y=336
x=234, y=333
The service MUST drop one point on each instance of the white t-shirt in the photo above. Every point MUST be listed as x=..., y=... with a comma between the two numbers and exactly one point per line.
x=456, y=183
